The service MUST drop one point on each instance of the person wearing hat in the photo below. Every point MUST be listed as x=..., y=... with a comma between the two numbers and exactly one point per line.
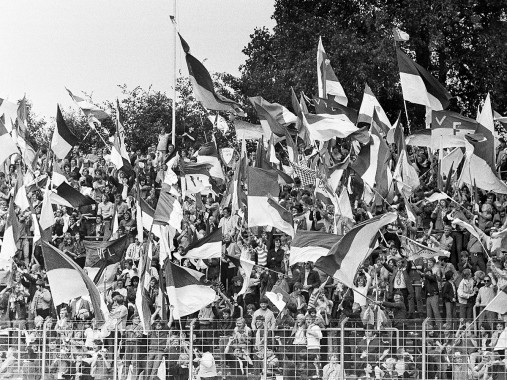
x=41, y=300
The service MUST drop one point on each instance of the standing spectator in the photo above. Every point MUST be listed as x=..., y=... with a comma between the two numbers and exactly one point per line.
x=41, y=304
x=106, y=210
x=449, y=297
x=484, y=296
x=268, y=315
x=430, y=287
x=466, y=292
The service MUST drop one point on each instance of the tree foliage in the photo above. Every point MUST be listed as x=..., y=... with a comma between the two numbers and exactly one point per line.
x=462, y=42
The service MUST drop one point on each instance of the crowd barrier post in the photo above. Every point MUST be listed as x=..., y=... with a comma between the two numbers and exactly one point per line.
x=43, y=357
x=342, y=342
x=191, y=353
x=115, y=353
x=265, y=353
x=19, y=349
x=423, y=340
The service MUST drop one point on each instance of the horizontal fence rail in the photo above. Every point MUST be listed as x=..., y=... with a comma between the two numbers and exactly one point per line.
x=233, y=349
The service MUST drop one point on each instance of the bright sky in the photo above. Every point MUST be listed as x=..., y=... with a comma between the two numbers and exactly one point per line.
x=95, y=45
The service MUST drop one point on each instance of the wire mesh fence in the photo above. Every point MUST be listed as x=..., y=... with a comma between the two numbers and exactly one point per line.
x=237, y=349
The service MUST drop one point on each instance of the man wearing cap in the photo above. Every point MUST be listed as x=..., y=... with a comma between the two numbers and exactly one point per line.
x=41, y=300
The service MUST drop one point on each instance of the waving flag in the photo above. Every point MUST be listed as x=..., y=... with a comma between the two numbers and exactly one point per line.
x=327, y=81
x=186, y=294
x=273, y=116
x=415, y=250
x=11, y=237
x=68, y=281
x=281, y=217
x=91, y=111
x=370, y=108
x=66, y=195
x=202, y=84
x=310, y=246
x=168, y=211
x=142, y=296
x=419, y=86
x=7, y=144
x=261, y=183
x=63, y=139
x=325, y=127
x=399, y=35
x=208, y=247
x=208, y=154
x=499, y=303
x=119, y=155
x=344, y=258
x=245, y=269
x=448, y=129
x=247, y=131
x=331, y=107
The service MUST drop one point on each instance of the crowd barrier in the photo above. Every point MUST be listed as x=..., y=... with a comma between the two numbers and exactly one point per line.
x=408, y=350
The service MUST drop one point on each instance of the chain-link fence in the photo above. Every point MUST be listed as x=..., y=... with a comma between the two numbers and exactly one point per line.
x=237, y=349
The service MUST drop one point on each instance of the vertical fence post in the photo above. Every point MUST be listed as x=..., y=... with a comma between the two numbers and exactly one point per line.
x=191, y=353
x=265, y=352
x=19, y=348
x=423, y=341
x=43, y=354
x=342, y=343
x=115, y=353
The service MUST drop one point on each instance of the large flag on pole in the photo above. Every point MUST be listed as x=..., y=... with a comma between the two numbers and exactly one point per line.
x=327, y=81
x=272, y=116
x=63, y=139
x=186, y=293
x=119, y=155
x=93, y=113
x=344, y=258
x=499, y=303
x=68, y=281
x=202, y=84
x=282, y=218
x=208, y=247
x=419, y=86
x=261, y=184
x=369, y=106
x=142, y=296
x=208, y=154
x=448, y=129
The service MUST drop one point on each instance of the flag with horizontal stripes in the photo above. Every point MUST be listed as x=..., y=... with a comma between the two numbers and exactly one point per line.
x=331, y=107
x=345, y=257
x=63, y=139
x=448, y=129
x=419, y=86
x=325, y=127
x=90, y=110
x=186, y=293
x=119, y=155
x=247, y=131
x=7, y=144
x=68, y=281
x=66, y=195
x=245, y=268
x=169, y=210
x=370, y=109
x=209, y=247
x=281, y=217
x=273, y=116
x=327, y=82
x=202, y=84
x=208, y=154
x=142, y=296
x=310, y=246
x=261, y=183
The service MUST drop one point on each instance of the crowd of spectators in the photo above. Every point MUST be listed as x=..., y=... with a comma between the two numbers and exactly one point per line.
x=238, y=335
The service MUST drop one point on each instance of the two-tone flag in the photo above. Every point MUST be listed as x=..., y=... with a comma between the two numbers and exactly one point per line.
x=327, y=82
x=345, y=257
x=119, y=155
x=273, y=116
x=7, y=144
x=63, y=139
x=68, y=281
x=331, y=107
x=196, y=177
x=281, y=217
x=66, y=195
x=209, y=247
x=370, y=108
x=186, y=293
x=142, y=296
x=169, y=210
x=91, y=111
x=311, y=246
x=202, y=84
x=208, y=154
x=419, y=86
x=245, y=268
x=325, y=127
x=261, y=184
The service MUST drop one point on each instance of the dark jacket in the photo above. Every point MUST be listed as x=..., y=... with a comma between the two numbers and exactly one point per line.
x=406, y=276
x=430, y=285
x=449, y=294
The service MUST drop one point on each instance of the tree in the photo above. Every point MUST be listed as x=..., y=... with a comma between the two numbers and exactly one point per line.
x=461, y=42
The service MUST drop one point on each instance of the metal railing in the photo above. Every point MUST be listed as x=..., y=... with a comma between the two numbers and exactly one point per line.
x=230, y=349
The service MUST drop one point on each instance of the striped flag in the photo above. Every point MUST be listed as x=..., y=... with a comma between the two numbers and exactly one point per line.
x=419, y=86
x=345, y=257
x=202, y=84
x=245, y=270
x=66, y=195
x=281, y=217
x=119, y=155
x=448, y=129
x=209, y=247
x=273, y=116
x=327, y=81
x=331, y=107
x=208, y=154
x=247, y=131
x=63, y=139
x=7, y=144
x=186, y=293
x=196, y=177
x=261, y=183
x=169, y=210
x=371, y=108
x=325, y=127
x=310, y=246
x=68, y=281
x=499, y=303
x=90, y=110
